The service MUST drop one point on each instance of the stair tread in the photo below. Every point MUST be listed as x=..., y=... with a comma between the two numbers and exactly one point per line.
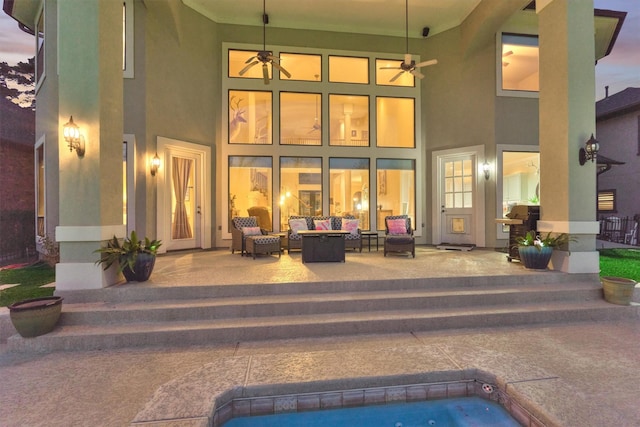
x=133, y=327
x=320, y=297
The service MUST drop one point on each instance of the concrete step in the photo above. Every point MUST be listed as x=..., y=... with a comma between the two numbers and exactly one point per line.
x=101, y=313
x=231, y=330
x=146, y=315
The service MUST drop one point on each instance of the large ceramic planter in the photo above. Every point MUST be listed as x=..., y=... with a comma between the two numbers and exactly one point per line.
x=534, y=257
x=142, y=268
x=36, y=316
x=618, y=290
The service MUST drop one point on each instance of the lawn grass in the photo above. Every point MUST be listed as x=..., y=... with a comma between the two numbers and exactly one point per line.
x=620, y=263
x=30, y=280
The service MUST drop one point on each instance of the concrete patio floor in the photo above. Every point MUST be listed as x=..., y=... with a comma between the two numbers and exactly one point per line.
x=582, y=374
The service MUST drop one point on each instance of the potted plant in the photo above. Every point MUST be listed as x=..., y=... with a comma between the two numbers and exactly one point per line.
x=535, y=251
x=135, y=258
x=618, y=290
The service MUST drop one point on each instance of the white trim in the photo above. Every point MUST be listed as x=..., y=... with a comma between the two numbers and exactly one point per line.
x=40, y=143
x=479, y=200
x=38, y=82
x=164, y=146
x=569, y=227
x=575, y=262
x=129, y=34
x=132, y=184
x=92, y=233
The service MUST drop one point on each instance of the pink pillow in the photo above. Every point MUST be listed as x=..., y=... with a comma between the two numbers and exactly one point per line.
x=350, y=225
x=297, y=224
x=251, y=231
x=322, y=224
x=397, y=226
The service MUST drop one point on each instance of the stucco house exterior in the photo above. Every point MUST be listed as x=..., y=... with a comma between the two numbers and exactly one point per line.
x=173, y=81
x=618, y=126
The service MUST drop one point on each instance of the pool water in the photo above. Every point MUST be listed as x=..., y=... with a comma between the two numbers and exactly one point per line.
x=461, y=412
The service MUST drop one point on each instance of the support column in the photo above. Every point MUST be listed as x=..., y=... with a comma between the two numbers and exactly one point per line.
x=567, y=119
x=89, y=47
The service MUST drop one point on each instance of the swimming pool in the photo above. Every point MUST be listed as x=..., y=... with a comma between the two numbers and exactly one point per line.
x=458, y=412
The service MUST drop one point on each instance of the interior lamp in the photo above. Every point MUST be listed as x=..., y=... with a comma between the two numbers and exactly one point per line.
x=155, y=164
x=590, y=150
x=74, y=138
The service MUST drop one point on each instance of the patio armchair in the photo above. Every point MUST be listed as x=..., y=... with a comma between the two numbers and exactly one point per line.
x=399, y=235
x=241, y=227
x=263, y=215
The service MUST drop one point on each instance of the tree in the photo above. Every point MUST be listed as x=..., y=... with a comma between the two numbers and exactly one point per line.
x=17, y=83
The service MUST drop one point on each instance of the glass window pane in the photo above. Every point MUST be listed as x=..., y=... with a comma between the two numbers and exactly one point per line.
x=349, y=120
x=388, y=70
x=349, y=189
x=300, y=187
x=250, y=185
x=238, y=64
x=448, y=185
x=466, y=167
x=250, y=116
x=457, y=184
x=468, y=197
x=301, y=67
x=300, y=118
x=346, y=69
x=448, y=201
x=395, y=185
x=520, y=179
x=467, y=182
x=457, y=200
x=395, y=125
x=520, y=65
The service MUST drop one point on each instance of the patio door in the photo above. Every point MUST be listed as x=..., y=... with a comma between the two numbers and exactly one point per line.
x=458, y=198
x=181, y=195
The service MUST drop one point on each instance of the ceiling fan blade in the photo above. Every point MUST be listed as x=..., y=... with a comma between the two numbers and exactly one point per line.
x=507, y=53
x=245, y=69
x=417, y=74
x=265, y=73
x=282, y=70
x=273, y=58
x=249, y=60
x=389, y=68
x=394, y=78
x=407, y=58
x=426, y=63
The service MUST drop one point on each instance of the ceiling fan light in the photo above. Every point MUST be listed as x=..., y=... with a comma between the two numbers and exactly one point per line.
x=265, y=73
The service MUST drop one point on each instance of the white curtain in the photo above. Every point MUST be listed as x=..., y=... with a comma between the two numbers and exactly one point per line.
x=181, y=229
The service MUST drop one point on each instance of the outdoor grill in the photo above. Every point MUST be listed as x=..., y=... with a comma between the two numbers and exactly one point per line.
x=521, y=219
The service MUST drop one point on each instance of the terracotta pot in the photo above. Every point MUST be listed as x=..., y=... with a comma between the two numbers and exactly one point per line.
x=533, y=258
x=618, y=290
x=141, y=270
x=36, y=316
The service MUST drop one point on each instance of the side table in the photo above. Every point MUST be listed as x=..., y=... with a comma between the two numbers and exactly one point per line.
x=368, y=235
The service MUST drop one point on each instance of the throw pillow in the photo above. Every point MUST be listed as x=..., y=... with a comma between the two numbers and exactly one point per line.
x=251, y=231
x=350, y=225
x=322, y=224
x=297, y=224
x=397, y=226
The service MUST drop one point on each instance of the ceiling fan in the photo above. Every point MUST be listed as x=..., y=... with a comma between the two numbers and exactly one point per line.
x=264, y=55
x=409, y=65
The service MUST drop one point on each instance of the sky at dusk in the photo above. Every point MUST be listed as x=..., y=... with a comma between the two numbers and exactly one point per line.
x=618, y=70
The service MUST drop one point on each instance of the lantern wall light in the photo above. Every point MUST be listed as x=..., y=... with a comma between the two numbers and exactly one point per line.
x=486, y=168
x=590, y=151
x=74, y=138
x=155, y=165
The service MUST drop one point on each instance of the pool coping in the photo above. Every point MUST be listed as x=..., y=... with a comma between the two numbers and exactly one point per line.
x=200, y=400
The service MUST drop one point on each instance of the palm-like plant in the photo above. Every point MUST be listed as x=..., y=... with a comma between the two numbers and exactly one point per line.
x=126, y=253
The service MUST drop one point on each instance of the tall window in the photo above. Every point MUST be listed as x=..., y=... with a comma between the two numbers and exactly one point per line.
x=396, y=185
x=40, y=191
x=348, y=69
x=250, y=117
x=349, y=189
x=349, y=120
x=520, y=63
x=250, y=185
x=396, y=122
x=606, y=201
x=300, y=118
x=40, y=47
x=520, y=179
x=300, y=187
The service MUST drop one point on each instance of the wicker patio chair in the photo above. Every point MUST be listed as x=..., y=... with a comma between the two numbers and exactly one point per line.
x=399, y=240
x=238, y=237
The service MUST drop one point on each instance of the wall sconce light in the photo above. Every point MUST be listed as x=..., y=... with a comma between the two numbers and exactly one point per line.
x=74, y=138
x=590, y=151
x=155, y=165
x=486, y=168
